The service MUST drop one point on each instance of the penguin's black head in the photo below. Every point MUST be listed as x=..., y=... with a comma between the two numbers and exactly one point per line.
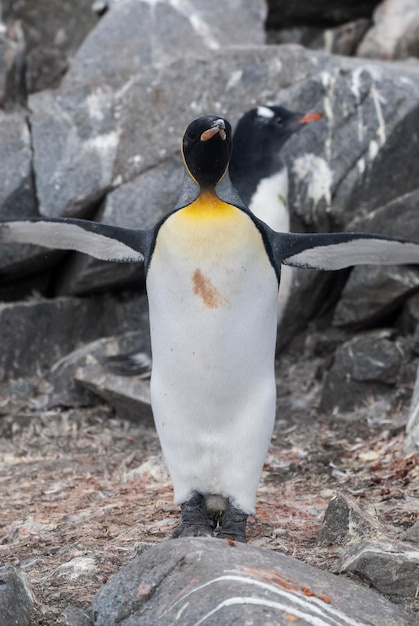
x=274, y=124
x=258, y=139
x=206, y=149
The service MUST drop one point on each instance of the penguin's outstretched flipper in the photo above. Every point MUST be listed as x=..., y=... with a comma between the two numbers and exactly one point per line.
x=108, y=243
x=336, y=251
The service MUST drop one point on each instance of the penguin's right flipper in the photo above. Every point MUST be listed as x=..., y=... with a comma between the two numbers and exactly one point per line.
x=335, y=251
x=108, y=243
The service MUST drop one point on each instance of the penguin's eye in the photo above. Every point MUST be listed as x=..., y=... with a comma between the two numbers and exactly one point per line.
x=279, y=121
x=192, y=136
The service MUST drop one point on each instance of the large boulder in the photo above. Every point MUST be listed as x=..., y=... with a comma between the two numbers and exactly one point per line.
x=62, y=325
x=17, y=192
x=12, y=75
x=395, y=33
x=212, y=581
x=52, y=33
x=134, y=34
x=16, y=599
x=365, y=366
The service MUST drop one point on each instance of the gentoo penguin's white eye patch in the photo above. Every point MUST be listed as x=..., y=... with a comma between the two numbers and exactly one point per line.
x=265, y=112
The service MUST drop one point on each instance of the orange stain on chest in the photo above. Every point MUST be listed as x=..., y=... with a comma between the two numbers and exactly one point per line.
x=204, y=288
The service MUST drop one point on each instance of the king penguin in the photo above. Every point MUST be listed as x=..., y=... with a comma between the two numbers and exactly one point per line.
x=260, y=175
x=212, y=276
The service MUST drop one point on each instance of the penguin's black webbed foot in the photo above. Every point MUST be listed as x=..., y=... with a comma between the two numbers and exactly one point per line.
x=195, y=519
x=233, y=525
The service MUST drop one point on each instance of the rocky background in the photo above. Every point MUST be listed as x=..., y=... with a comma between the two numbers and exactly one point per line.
x=95, y=98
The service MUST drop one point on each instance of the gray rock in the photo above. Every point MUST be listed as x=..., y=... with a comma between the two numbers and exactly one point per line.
x=130, y=397
x=397, y=217
x=136, y=33
x=409, y=322
x=48, y=329
x=409, y=319
x=386, y=193
x=344, y=521
x=412, y=426
x=73, y=616
x=349, y=170
x=65, y=391
x=52, y=34
x=17, y=193
x=140, y=203
x=78, y=568
x=12, y=78
x=412, y=533
x=394, y=34
x=206, y=580
x=373, y=293
x=16, y=288
x=345, y=38
x=317, y=290
x=364, y=366
x=307, y=36
x=16, y=600
x=392, y=567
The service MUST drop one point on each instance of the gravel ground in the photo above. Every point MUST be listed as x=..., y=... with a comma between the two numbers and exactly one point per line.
x=82, y=483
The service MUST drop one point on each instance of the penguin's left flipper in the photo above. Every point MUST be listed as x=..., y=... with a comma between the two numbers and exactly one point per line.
x=336, y=251
x=108, y=243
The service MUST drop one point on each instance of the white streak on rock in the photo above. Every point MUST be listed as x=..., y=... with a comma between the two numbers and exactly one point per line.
x=328, y=82
x=315, y=172
x=105, y=147
x=381, y=130
x=356, y=90
x=373, y=149
x=234, y=79
x=412, y=426
x=201, y=27
x=94, y=104
x=312, y=609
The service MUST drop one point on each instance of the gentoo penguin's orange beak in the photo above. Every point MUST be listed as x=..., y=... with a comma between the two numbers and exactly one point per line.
x=310, y=117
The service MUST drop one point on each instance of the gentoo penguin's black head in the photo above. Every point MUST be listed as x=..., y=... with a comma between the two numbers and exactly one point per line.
x=258, y=138
x=206, y=149
x=272, y=125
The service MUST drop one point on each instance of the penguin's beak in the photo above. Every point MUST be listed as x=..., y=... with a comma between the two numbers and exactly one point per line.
x=217, y=127
x=309, y=117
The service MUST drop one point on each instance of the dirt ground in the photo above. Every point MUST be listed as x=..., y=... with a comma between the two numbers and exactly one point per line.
x=82, y=483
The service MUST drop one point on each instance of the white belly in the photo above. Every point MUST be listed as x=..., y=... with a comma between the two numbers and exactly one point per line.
x=269, y=204
x=213, y=298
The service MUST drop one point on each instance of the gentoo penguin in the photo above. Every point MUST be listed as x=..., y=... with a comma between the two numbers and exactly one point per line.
x=213, y=270
x=257, y=169
x=260, y=175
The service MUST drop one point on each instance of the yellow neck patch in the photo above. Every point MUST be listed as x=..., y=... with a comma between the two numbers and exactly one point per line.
x=208, y=206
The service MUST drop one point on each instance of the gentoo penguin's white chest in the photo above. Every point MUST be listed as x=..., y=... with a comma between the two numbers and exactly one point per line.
x=270, y=201
x=212, y=296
